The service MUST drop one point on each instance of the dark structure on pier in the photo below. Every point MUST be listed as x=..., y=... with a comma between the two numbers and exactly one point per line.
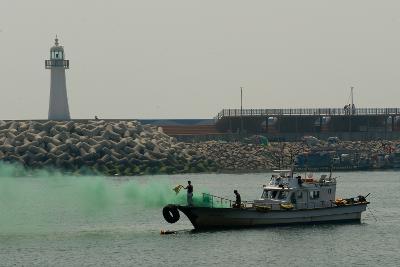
x=362, y=123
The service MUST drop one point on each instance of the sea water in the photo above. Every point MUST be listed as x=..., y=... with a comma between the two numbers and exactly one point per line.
x=50, y=219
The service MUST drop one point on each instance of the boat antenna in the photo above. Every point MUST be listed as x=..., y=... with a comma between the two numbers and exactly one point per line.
x=305, y=172
x=292, y=170
x=330, y=169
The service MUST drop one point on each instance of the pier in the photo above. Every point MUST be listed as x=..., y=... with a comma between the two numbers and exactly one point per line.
x=360, y=122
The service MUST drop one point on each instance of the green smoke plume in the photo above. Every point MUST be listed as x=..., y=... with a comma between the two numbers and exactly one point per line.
x=47, y=200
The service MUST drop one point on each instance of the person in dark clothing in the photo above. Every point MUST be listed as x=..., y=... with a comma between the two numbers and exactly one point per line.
x=189, y=189
x=299, y=181
x=238, y=201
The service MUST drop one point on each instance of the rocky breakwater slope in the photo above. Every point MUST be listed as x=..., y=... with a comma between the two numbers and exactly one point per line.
x=124, y=147
x=236, y=156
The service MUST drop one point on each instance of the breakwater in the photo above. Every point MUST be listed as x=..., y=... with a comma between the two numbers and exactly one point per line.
x=311, y=154
x=120, y=147
x=130, y=148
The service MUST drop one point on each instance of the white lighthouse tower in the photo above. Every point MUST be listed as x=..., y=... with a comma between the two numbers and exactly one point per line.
x=58, y=106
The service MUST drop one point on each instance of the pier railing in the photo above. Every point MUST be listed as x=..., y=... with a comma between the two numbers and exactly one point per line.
x=307, y=112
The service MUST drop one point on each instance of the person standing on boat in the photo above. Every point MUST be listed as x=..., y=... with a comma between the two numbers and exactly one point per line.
x=189, y=189
x=238, y=201
x=299, y=181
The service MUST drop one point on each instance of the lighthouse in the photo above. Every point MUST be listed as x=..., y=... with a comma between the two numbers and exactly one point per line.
x=58, y=105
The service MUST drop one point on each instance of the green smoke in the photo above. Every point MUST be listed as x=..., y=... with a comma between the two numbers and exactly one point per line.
x=43, y=200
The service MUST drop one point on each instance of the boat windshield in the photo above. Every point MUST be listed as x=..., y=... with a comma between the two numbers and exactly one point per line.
x=274, y=194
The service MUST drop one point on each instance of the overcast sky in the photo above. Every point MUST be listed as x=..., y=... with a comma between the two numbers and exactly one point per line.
x=188, y=59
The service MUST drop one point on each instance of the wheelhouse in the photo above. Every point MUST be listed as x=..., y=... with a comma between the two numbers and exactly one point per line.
x=300, y=192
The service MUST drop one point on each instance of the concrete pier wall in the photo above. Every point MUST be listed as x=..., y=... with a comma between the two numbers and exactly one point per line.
x=312, y=121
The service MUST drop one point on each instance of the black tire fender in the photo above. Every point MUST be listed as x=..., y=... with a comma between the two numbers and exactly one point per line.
x=171, y=213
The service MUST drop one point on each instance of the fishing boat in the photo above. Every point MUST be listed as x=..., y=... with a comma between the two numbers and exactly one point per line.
x=286, y=199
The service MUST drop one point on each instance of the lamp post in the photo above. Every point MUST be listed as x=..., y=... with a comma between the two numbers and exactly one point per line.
x=241, y=110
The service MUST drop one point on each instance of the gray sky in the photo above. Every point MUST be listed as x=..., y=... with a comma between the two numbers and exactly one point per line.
x=187, y=59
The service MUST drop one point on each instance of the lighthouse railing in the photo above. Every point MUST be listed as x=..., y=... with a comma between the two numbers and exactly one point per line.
x=57, y=63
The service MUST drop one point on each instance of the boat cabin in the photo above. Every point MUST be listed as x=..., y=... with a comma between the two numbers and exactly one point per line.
x=286, y=190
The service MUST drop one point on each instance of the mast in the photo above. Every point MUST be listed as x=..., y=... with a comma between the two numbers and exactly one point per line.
x=352, y=99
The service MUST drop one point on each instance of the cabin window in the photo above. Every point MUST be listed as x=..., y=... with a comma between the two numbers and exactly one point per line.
x=269, y=194
x=299, y=194
x=314, y=194
x=56, y=55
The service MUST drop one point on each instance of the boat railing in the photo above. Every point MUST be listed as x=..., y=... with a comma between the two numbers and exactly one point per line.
x=213, y=201
x=217, y=201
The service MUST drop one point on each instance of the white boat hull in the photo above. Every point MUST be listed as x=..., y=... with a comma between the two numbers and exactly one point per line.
x=206, y=218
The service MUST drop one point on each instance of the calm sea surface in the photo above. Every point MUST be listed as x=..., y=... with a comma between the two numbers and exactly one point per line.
x=93, y=221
